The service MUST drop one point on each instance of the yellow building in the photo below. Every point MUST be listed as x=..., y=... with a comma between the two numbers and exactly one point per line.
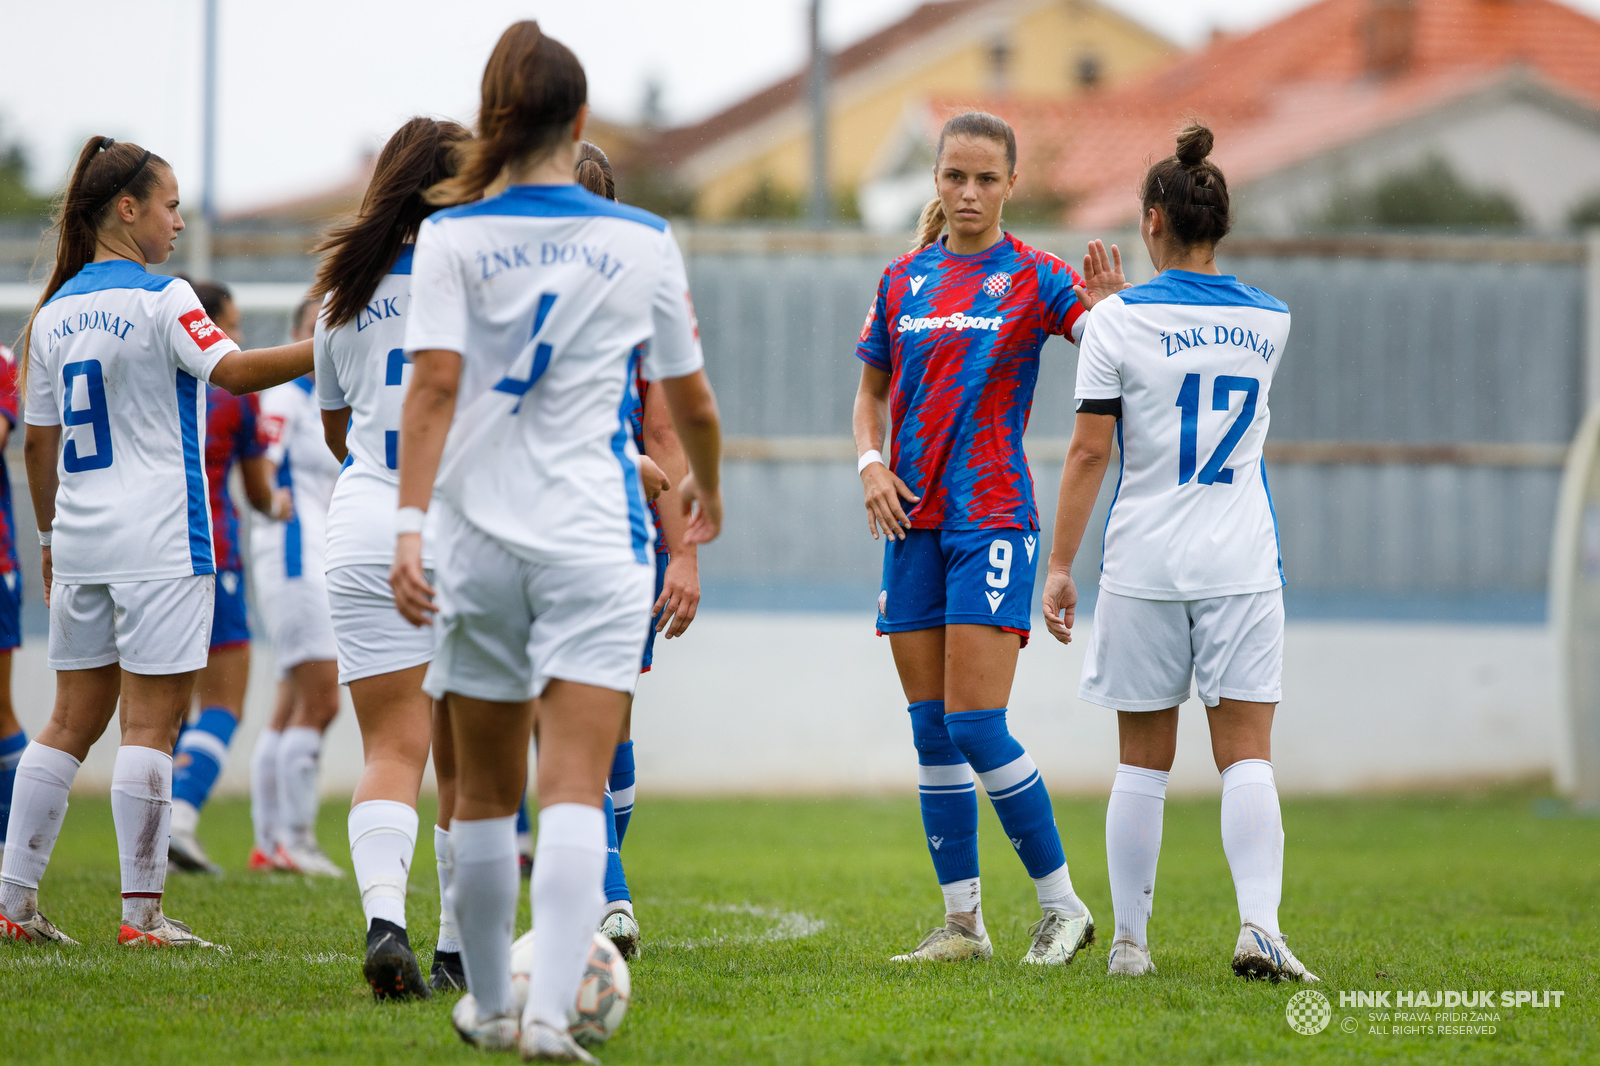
x=934, y=57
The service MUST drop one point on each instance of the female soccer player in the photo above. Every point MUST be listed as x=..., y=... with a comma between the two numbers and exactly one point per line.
x=365, y=278
x=526, y=362
x=115, y=359
x=1178, y=369
x=662, y=463
x=292, y=588
x=232, y=436
x=951, y=347
x=12, y=739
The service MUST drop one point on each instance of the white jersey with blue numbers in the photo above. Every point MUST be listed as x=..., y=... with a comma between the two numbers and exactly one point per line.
x=551, y=295
x=292, y=424
x=120, y=358
x=1191, y=358
x=362, y=365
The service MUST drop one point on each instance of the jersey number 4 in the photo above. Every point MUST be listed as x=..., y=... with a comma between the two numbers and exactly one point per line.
x=542, y=352
x=93, y=412
x=1214, y=473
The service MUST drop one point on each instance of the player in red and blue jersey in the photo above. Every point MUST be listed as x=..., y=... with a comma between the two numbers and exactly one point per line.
x=232, y=437
x=12, y=737
x=951, y=346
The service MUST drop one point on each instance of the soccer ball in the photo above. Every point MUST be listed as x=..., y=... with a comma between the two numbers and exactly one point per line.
x=602, y=995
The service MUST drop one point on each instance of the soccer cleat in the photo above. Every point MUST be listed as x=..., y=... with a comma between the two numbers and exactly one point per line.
x=1129, y=959
x=309, y=861
x=35, y=930
x=491, y=1034
x=1258, y=955
x=185, y=851
x=447, y=975
x=525, y=865
x=167, y=933
x=622, y=929
x=953, y=942
x=391, y=966
x=261, y=862
x=1058, y=937
x=545, y=1043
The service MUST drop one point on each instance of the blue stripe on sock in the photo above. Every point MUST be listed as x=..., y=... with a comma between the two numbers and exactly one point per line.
x=622, y=776
x=11, y=749
x=949, y=812
x=195, y=764
x=1024, y=808
x=616, y=880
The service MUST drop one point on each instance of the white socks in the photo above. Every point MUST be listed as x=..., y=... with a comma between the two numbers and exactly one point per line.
x=1055, y=892
x=449, y=936
x=569, y=870
x=141, y=810
x=483, y=896
x=383, y=838
x=1133, y=845
x=1252, y=838
x=38, y=805
x=965, y=897
x=298, y=751
x=264, y=790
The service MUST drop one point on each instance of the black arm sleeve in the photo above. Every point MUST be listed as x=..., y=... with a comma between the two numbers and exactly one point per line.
x=1112, y=407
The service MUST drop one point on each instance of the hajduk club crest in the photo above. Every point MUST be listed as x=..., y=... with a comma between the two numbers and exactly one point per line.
x=997, y=284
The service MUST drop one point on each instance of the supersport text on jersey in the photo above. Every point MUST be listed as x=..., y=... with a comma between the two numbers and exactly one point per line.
x=960, y=336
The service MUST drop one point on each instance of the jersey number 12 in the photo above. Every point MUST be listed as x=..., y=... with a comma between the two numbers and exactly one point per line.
x=1222, y=391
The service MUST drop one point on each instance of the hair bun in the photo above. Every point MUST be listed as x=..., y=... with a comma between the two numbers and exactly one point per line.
x=1194, y=144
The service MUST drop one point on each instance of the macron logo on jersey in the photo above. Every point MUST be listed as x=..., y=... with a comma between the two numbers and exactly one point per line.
x=916, y=283
x=201, y=328
x=957, y=321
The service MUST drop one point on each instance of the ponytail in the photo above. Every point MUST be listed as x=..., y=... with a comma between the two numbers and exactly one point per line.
x=357, y=254
x=929, y=225
x=594, y=171
x=533, y=89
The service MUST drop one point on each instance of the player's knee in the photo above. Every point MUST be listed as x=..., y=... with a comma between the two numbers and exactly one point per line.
x=934, y=744
x=983, y=739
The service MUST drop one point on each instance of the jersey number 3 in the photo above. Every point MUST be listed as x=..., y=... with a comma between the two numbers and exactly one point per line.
x=1214, y=473
x=74, y=412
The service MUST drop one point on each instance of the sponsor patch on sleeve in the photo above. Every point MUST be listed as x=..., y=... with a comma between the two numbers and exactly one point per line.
x=201, y=328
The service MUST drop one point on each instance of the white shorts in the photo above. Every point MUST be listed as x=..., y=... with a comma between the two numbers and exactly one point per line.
x=150, y=627
x=298, y=622
x=373, y=638
x=508, y=626
x=1142, y=652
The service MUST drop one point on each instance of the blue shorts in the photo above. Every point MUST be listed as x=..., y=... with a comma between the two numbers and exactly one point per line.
x=662, y=559
x=938, y=577
x=11, y=609
x=230, y=625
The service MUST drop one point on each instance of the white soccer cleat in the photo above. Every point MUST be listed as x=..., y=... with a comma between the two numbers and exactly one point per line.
x=1058, y=937
x=622, y=929
x=185, y=851
x=1259, y=955
x=166, y=933
x=34, y=930
x=309, y=861
x=1129, y=959
x=492, y=1034
x=954, y=941
x=545, y=1043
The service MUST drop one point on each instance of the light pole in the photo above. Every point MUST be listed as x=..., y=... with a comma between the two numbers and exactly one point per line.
x=819, y=121
x=200, y=238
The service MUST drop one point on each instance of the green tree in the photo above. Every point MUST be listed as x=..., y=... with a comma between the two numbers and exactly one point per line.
x=1587, y=213
x=17, y=201
x=767, y=201
x=1430, y=194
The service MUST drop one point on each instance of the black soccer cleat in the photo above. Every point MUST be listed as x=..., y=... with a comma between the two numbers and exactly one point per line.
x=391, y=967
x=448, y=976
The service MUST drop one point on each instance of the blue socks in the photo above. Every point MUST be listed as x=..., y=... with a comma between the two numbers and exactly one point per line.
x=1014, y=787
x=621, y=786
x=523, y=829
x=949, y=798
x=199, y=756
x=616, y=881
x=10, y=754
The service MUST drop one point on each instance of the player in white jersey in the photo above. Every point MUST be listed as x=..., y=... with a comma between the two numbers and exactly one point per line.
x=529, y=313
x=1178, y=370
x=365, y=278
x=116, y=365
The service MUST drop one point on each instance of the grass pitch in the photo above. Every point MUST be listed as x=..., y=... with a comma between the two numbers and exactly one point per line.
x=769, y=923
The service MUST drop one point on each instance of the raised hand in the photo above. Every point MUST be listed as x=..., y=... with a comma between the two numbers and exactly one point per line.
x=1102, y=275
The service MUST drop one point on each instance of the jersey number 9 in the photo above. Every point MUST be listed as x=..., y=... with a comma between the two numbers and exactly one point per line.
x=92, y=413
x=1189, y=431
x=1000, y=559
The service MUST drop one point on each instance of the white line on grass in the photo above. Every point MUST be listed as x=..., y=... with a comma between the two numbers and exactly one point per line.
x=786, y=925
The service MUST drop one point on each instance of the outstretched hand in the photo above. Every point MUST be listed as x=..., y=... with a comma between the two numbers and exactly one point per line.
x=1102, y=275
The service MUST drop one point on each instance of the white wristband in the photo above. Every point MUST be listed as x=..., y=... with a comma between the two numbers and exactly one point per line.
x=409, y=520
x=45, y=535
x=873, y=456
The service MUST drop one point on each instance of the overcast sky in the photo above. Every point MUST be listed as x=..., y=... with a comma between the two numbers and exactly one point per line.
x=307, y=86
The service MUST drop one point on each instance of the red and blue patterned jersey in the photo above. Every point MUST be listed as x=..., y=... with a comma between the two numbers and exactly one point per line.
x=637, y=418
x=960, y=337
x=232, y=433
x=9, y=410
